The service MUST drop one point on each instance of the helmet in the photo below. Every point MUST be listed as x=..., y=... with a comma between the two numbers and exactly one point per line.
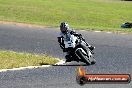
x=64, y=27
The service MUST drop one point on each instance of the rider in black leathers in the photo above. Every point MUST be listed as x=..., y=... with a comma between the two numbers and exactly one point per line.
x=64, y=28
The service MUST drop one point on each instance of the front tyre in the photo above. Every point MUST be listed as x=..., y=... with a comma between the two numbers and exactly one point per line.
x=91, y=57
x=93, y=62
x=81, y=55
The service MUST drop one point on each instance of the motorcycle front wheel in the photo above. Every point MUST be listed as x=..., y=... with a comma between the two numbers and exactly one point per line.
x=84, y=58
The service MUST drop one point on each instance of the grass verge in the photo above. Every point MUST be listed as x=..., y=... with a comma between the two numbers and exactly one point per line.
x=11, y=59
x=105, y=15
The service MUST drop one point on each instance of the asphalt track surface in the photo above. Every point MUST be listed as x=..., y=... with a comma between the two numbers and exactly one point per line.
x=113, y=54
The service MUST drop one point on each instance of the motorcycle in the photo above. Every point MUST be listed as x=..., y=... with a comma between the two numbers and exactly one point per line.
x=78, y=49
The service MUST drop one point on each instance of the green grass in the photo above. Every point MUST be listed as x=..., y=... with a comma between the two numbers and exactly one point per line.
x=105, y=15
x=11, y=59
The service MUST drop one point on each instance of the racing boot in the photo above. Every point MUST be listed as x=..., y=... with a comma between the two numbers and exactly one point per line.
x=68, y=58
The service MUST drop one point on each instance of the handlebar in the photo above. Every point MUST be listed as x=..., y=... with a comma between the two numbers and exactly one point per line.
x=81, y=38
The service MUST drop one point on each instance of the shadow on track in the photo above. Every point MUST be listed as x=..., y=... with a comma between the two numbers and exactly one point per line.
x=72, y=65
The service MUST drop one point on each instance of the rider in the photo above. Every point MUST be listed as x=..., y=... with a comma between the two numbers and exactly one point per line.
x=64, y=28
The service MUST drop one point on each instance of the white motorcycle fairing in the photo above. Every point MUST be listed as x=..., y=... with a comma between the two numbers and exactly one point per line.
x=70, y=41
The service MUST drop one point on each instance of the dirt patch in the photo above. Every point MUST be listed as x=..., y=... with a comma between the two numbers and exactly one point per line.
x=24, y=24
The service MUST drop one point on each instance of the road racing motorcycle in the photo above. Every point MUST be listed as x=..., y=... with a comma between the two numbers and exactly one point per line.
x=78, y=49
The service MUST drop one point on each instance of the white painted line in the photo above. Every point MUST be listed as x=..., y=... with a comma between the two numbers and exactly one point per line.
x=124, y=33
x=24, y=68
x=82, y=30
x=108, y=32
x=32, y=67
x=60, y=62
x=97, y=31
